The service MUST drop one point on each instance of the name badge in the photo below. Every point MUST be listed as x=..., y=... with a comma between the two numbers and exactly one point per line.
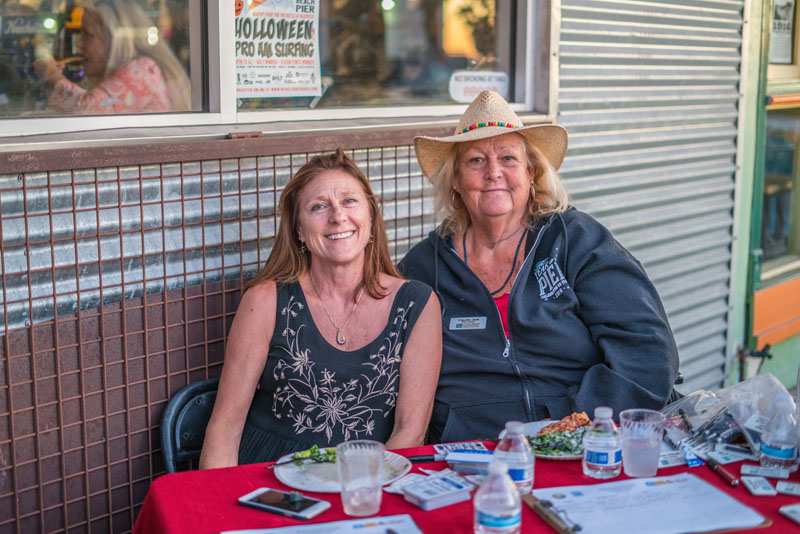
x=467, y=323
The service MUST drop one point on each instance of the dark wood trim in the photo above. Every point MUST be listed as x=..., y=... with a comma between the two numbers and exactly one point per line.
x=209, y=149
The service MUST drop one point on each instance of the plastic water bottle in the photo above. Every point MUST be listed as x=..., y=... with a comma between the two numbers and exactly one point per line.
x=779, y=440
x=515, y=451
x=602, y=456
x=497, y=503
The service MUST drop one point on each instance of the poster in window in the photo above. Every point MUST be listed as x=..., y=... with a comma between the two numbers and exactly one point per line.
x=782, y=37
x=465, y=85
x=277, y=48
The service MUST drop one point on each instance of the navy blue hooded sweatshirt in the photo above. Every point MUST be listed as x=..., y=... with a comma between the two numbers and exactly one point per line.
x=586, y=325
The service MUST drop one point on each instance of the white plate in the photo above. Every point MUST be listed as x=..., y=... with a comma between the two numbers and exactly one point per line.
x=532, y=429
x=323, y=477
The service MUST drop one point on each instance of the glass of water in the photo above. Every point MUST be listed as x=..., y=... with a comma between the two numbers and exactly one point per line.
x=641, y=432
x=360, y=465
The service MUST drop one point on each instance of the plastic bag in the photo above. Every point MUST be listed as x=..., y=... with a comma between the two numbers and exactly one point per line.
x=730, y=415
x=754, y=402
x=687, y=414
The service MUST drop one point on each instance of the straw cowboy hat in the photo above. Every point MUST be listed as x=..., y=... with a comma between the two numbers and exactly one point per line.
x=489, y=115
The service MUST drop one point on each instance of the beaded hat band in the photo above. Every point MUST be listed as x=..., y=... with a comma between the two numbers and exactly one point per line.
x=489, y=115
x=474, y=125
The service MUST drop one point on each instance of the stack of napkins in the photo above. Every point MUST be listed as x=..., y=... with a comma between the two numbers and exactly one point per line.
x=438, y=490
x=470, y=462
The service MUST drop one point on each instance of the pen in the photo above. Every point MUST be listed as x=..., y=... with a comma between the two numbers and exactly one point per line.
x=545, y=510
x=737, y=448
x=726, y=475
x=425, y=458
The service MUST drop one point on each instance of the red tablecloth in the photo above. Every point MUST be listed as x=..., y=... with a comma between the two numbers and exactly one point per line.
x=205, y=502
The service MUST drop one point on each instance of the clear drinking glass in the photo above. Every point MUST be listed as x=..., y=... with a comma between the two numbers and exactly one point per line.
x=360, y=465
x=641, y=432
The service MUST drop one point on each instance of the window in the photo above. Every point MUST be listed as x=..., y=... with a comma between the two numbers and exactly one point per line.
x=779, y=237
x=780, y=218
x=369, y=53
x=273, y=61
x=99, y=57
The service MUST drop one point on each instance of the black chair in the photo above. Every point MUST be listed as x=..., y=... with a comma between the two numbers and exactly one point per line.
x=183, y=425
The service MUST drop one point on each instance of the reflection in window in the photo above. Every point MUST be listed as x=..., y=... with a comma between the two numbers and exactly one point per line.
x=393, y=53
x=779, y=237
x=93, y=57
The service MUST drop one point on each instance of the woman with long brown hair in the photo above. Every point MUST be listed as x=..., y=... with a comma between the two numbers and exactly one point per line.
x=329, y=343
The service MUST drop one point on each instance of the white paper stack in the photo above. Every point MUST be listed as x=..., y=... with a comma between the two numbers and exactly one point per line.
x=470, y=462
x=437, y=491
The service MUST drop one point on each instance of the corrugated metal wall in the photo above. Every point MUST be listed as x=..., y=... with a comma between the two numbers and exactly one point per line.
x=73, y=240
x=649, y=93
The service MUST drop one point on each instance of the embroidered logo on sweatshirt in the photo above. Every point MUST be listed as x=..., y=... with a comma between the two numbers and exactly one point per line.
x=551, y=281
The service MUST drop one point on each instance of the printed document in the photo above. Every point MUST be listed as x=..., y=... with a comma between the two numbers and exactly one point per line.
x=658, y=505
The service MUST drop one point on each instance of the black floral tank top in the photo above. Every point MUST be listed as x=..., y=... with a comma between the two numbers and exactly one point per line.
x=311, y=392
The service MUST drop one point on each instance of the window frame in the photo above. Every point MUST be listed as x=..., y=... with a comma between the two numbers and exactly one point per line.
x=538, y=80
x=782, y=88
x=778, y=73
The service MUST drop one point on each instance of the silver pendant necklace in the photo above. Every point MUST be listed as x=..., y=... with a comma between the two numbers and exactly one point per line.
x=340, y=339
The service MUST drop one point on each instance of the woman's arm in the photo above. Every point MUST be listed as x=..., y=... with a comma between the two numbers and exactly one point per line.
x=245, y=357
x=419, y=375
x=136, y=87
x=64, y=95
x=624, y=314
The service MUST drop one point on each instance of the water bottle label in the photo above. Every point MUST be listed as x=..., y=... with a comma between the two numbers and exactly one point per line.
x=604, y=457
x=782, y=453
x=498, y=521
x=519, y=475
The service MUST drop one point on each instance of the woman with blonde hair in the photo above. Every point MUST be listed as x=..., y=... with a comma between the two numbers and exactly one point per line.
x=129, y=67
x=329, y=343
x=544, y=312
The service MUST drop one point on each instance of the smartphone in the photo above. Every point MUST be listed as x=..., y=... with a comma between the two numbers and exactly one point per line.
x=792, y=511
x=290, y=504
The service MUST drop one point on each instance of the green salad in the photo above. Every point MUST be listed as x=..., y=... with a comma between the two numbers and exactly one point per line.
x=559, y=443
x=316, y=454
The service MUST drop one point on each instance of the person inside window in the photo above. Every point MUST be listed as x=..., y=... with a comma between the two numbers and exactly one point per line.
x=545, y=313
x=129, y=68
x=328, y=344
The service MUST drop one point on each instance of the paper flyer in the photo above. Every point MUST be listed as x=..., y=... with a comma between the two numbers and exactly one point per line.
x=277, y=48
x=465, y=85
x=782, y=36
x=658, y=505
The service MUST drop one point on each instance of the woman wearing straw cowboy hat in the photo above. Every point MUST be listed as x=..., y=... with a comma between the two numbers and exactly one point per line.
x=544, y=312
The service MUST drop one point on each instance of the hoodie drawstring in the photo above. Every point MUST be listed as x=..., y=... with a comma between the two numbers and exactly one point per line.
x=566, y=245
